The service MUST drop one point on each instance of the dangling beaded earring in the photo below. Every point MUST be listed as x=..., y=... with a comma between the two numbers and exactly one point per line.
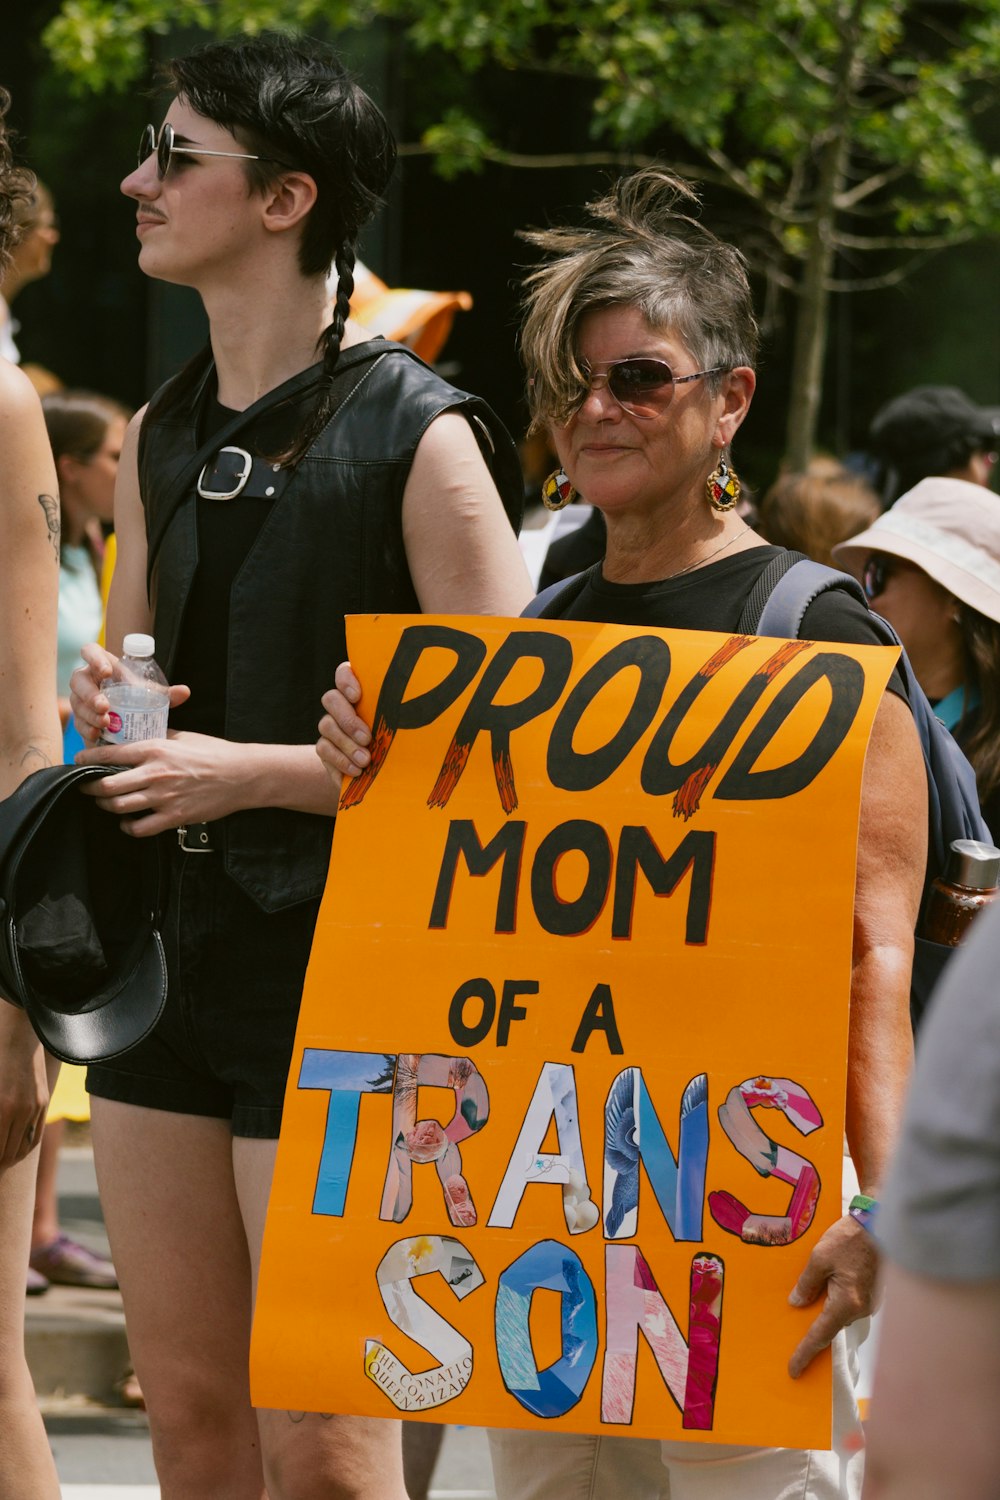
x=722, y=487
x=557, y=491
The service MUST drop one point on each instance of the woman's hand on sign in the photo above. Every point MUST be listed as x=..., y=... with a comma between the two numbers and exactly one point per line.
x=89, y=705
x=843, y=1264
x=344, y=737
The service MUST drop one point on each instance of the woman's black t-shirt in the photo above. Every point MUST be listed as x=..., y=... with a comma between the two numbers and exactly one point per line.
x=712, y=598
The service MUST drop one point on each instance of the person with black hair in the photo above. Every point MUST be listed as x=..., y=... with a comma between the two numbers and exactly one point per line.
x=263, y=493
x=29, y=741
x=933, y=430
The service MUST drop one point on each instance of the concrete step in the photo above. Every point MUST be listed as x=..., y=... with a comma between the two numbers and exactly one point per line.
x=75, y=1336
x=77, y=1352
x=76, y=1345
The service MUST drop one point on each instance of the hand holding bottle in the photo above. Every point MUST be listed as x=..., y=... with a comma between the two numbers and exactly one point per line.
x=89, y=701
x=138, y=695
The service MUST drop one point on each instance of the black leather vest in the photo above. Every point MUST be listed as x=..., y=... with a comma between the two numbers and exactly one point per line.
x=332, y=545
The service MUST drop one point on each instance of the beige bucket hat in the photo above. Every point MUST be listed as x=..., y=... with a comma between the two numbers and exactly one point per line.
x=947, y=527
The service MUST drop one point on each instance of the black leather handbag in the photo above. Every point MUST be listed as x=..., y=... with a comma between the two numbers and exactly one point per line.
x=80, y=948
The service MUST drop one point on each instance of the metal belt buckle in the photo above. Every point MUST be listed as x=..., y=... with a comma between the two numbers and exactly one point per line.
x=201, y=836
x=237, y=481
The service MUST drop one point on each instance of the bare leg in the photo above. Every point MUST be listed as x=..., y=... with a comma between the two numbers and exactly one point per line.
x=315, y=1458
x=27, y=1471
x=45, y=1221
x=167, y=1189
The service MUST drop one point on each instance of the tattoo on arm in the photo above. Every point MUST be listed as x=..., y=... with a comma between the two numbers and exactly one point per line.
x=35, y=758
x=50, y=510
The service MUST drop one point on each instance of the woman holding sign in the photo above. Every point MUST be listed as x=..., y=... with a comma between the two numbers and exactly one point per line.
x=639, y=345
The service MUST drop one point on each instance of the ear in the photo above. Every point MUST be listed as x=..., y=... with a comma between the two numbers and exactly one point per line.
x=736, y=394
x=288, y=202
x=68, y=470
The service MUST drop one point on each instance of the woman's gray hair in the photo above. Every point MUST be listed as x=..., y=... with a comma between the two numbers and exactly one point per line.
x=639, y=250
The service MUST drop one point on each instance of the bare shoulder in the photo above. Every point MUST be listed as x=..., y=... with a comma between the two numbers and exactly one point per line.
x=449, y=454
x=127, y=486
x=449, y=432
x=24, y=443
x=892, y=843
x=894, y=737
x=132, y=430
x=461, y=548
x=18, y=398
x=27, y=469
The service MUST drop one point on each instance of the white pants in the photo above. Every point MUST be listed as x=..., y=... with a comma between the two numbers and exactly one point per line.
x=571, y=1466
x=568, y=1466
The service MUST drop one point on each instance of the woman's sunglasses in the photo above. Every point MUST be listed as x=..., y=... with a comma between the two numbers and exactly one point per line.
x=878, y=570
x=642, y=387
x=164, y=147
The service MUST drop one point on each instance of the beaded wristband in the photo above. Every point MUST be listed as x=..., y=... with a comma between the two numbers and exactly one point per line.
x=863, y=1209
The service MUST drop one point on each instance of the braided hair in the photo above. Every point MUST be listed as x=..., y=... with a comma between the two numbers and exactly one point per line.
x=291, y=100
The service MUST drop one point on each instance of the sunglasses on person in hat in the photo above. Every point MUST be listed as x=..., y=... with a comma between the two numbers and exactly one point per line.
x=878, y=570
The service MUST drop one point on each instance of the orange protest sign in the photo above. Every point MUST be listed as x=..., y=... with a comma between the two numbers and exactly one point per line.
x=566, y=1110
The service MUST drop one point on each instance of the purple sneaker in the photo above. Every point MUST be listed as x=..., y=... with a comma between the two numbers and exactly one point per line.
x=37, y=1283
x=69, y=1264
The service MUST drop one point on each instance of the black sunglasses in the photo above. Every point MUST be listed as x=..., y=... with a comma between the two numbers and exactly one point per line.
x=642, y=387
x=878, y=570
x=164, y=146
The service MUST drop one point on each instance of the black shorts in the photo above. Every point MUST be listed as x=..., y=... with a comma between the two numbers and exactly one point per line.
x=223, y=1044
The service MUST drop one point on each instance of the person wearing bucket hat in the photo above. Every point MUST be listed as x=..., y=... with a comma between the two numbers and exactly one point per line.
x=29, y=741
x=933, y=429
x=931, y=566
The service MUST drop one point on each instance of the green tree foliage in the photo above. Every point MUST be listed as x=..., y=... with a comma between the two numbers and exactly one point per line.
x=855, y=133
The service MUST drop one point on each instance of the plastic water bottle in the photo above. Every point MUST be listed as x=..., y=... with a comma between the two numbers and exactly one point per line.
x=138, y=695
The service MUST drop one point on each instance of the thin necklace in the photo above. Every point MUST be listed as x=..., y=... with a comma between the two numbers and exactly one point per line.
x=700, y=562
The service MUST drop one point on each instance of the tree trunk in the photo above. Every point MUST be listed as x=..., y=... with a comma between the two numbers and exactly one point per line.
x=812, y=319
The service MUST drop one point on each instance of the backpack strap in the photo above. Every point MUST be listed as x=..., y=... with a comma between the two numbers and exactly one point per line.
x=757, y=599
x=783, y=593
x=552, y=601
x=778, y=601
